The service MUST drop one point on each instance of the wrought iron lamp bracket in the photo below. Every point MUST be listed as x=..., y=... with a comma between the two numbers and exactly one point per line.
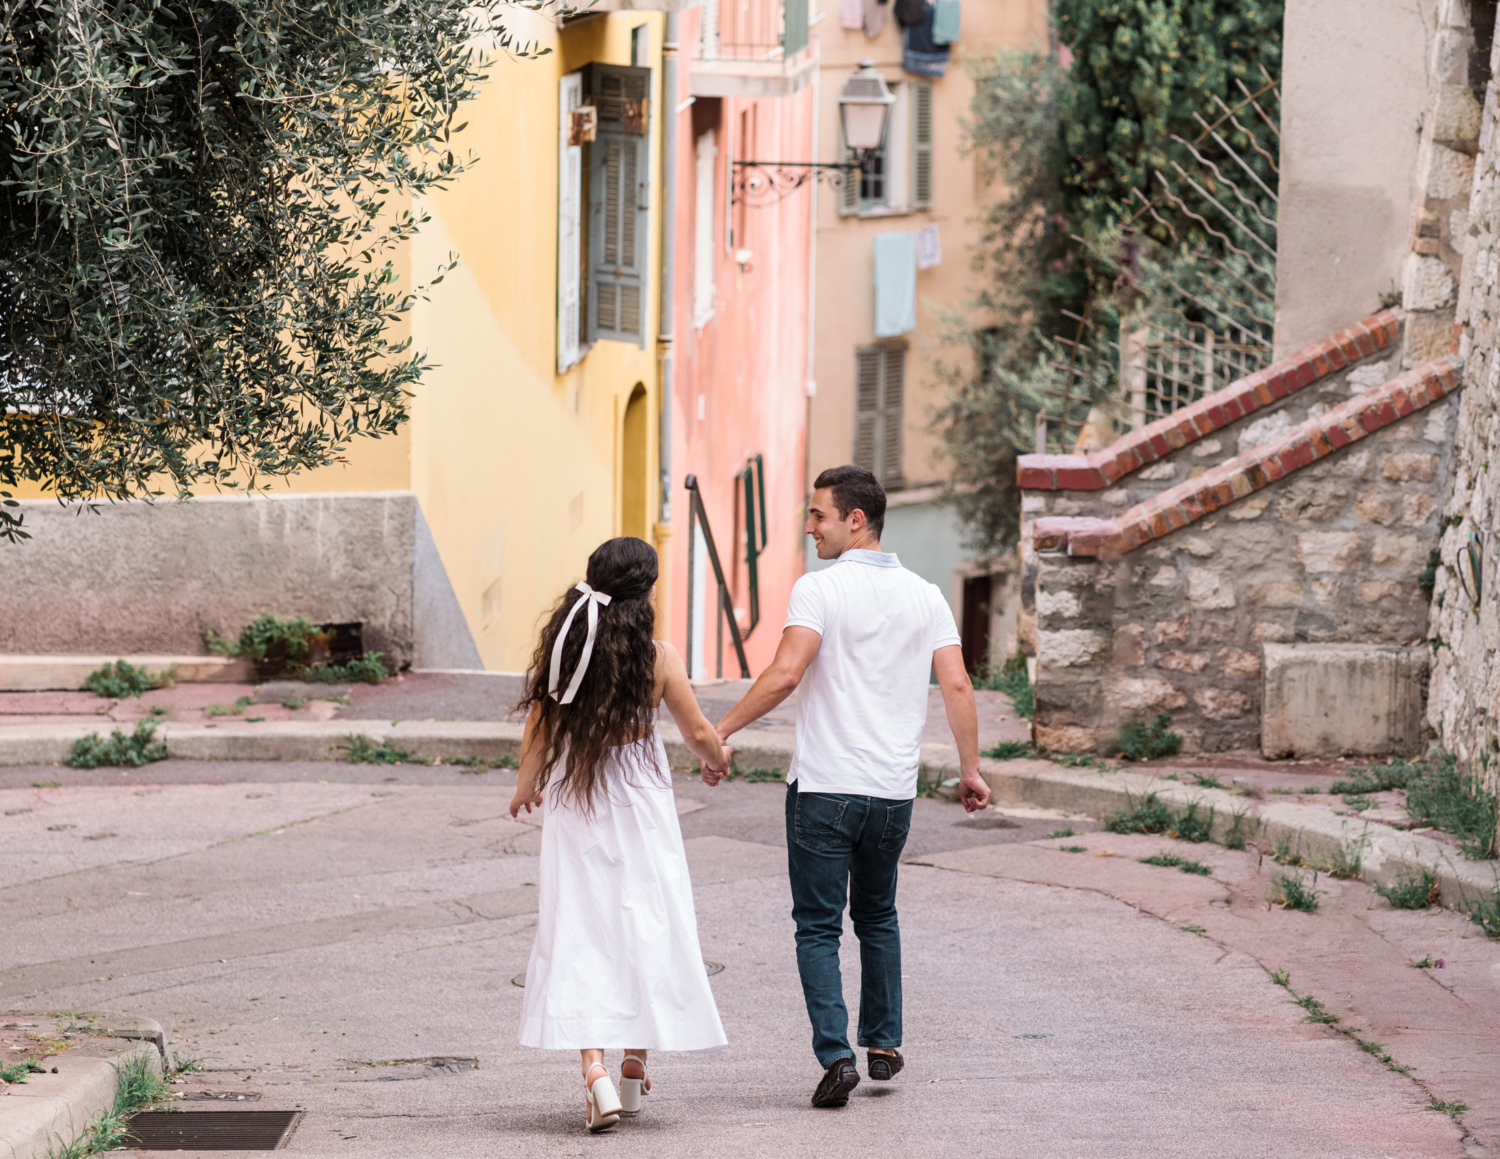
x=767, y=182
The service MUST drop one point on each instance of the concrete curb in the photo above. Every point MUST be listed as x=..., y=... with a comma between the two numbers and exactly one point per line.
x=50, y=1110
x=1315, y=832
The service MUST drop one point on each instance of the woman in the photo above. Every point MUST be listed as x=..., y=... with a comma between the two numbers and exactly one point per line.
x=616, y=961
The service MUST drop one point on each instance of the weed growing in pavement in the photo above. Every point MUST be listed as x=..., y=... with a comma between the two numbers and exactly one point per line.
x=1199, y=930
x=1453, y=1110
x=292, y=703
x=122, y=680
x=757, y=774
x=1188, y=826
x=1170, y=777
x=137, y=1086
x=137, y=749
x=1234, y=837
x=1207, y=780
x=1145, y=742
x=1283, y=854
x=1281, y=790
x=1316, y=1011
x=1447, y=799
x=1072, y=848
x=1416, y=890
x=1056, y=833
x=1292, y=892
x=367, y=669
x=934, y=786
x=18, y=1072
x=1147, y=814
x=1483, y=911
x=1312, y=790
x=1014, y=682
x=1394, y=774
x=1358, y=804
x=238, y=707
x=1080, y=761
x=1348, y=861
x=1173, y=861
x=187, y=1064
x=1281, y=978
x=1426, y=962
x=478, y=765
x=361, y=750
x=45, y=784
x=1009, y=750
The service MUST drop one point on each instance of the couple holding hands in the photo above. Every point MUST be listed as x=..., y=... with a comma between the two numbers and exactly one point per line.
x=616, y=962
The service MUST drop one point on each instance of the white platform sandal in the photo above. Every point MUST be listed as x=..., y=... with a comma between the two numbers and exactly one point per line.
x=631, y=1089
x=603, y=1104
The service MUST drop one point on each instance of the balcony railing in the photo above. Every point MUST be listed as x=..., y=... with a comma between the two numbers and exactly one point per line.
x=754, y=30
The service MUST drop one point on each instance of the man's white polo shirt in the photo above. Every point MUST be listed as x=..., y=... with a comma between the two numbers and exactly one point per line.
x=863, y=700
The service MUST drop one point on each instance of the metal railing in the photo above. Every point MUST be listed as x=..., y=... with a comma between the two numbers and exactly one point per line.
x=754, y=29
x=723, y=605
x=753, y=478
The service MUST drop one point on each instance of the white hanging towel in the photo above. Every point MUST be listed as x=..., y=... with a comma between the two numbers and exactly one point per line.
x=895, y=284
x=929, y=249
x=852, y=14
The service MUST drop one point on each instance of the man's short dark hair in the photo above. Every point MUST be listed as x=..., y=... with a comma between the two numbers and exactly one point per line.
x=854, y=487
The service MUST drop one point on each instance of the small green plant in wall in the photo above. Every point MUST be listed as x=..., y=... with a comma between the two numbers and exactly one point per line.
x=122, y=680
x=1148, y=742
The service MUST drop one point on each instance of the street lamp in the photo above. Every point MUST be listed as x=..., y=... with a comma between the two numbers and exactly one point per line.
x=864, y=110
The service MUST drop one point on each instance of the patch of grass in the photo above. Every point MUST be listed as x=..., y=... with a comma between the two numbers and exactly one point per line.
x=187, y=1064
x=1072, y=848
x=137, y=1086
x=1173, y=861
x=1358, y=804
x=122, y=680
x=1281, y=790
x=1312, y=790
x=1078, y=761
x=756, y=774
x=1452, y=1110
x=292, y=703
x=238, y=707
x=1280, y=977
x=1207, y=781
x=1416, y=890
x=361, y=750
x=1425, y=962
x=271, y=637
x=1484, y=912
x=18, y=1072
x=1014, y=682
x=1446, y=798
x=1394, y=774
x=930, y=785
x=1199, y=930
x=137, y=749
x=1145, y=742
x=1009, y=750
x=1348, y=861
x=1188, y=826
x=1283, y=854
x=1316, y=1011
x=46, y=784
x=368, y=669
x=1292, y=892
x=1234, y=837
x=1147, y=814
x=1056, y=833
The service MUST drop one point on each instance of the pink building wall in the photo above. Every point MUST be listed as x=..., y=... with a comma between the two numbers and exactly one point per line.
x=739, y=381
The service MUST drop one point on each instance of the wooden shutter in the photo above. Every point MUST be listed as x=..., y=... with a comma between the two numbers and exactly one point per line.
x=569, y=226
x=793, y=28
x=849, y=190
x=879, y=409
x=921, y=144
x=619, y=202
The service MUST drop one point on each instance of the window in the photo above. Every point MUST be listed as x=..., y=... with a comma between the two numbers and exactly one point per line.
x=879, y=409
x=572, y=128
x=704, y=290
x=898, y=177
x=619, y=189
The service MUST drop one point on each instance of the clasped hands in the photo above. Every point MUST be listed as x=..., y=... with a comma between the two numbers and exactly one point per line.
x=712, y=776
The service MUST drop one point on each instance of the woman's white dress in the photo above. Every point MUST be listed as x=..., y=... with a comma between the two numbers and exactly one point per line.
x=616, y=961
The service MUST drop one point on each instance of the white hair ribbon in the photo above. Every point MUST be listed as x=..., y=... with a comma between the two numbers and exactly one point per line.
x=594, y=600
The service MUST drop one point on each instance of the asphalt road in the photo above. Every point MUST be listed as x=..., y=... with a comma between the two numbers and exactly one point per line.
x=291, y=925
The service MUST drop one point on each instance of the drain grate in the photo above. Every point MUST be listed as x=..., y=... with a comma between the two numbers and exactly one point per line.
x=212, y=1130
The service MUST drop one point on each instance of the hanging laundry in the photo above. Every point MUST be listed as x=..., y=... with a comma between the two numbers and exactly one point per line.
x=909, y=12
x=875, y=13
x=895, y=284
x=852, y=14
x=922, y=56
x=929, y=249
x=944, y=21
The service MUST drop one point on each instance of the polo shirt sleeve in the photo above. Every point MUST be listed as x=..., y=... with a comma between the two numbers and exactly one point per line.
x=806, y=607
x=944, y=629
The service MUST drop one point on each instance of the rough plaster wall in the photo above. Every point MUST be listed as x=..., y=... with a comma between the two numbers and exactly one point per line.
x=1354, y=86
x=443, y=639
x=1332, y=553
x=141, y=577
x=1464, y=696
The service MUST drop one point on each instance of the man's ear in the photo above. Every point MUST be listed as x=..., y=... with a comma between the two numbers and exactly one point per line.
x=857, y=520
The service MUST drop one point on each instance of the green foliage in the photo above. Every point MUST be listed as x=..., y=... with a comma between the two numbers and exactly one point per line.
x=938, y=784
x=1453, y=1110
x=1234, y=838
x=271, y=637
x=1394, y=774
x=1207, y=780
x=367, y=669
x=1173, y=861
x=202, y=209
x=1347, y=862
x=138, y=1084
x=123, y=679
x=477, y=765
x=1359, y=804
x=1014, y=681
x=1072, y=848
x=1078, y=761
x=1316, y=1011
x=139, y=748
x=1009, y=750
x=187, y=1064
x=1446, y=798
x=1425, y=962
x=361, y=750
x=1484, y=911
x=1188, y=826
x=1280, y=977
x=1147, y=742
x=235, y=709
x=1290, y=891
x=1056, y=833
x=1150, y=814
x=1415, y=890
x=17, y=1072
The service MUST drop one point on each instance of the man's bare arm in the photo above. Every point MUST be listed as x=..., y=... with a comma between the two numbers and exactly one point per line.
x=963, y=719
x=795, y=652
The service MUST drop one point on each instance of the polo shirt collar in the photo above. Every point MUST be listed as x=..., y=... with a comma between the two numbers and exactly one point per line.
x=873, y=558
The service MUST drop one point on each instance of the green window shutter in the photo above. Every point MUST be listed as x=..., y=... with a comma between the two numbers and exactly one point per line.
x=794, y=28
x=619, y=202
x=892, y=412
x=921, y=144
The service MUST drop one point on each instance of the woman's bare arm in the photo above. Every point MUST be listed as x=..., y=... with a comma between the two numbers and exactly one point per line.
x=677, y=692
x=531, y=766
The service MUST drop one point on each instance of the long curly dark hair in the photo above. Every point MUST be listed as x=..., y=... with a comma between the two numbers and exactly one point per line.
x=614, y=705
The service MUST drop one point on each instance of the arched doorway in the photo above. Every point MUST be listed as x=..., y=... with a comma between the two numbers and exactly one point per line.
x=635, y=466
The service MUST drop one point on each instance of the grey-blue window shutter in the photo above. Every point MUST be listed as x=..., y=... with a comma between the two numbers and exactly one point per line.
x=619, y=202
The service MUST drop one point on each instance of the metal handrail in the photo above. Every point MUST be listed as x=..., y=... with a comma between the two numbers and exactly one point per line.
x=724, y=608
x=753, y=475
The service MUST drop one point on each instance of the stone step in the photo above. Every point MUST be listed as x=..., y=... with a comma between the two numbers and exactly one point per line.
x=26, y=673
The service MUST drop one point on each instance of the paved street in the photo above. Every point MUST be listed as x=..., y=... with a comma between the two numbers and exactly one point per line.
x=290, y=924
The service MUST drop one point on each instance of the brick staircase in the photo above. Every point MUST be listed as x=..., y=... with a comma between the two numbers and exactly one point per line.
x=1289, y=516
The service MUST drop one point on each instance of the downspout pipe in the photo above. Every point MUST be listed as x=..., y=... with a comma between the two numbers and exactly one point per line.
x=664, y=325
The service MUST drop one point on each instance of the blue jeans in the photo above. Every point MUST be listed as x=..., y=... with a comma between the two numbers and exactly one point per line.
x=837, y=846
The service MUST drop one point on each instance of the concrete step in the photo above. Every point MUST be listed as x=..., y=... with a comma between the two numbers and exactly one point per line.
x=22, y=673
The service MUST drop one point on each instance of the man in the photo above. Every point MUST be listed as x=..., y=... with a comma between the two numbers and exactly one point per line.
x=860, y=638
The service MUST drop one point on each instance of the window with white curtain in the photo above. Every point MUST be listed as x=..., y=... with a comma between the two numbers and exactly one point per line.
x=703, y=229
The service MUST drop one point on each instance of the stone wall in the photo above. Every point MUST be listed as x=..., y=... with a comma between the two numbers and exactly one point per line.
x=132, y=578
